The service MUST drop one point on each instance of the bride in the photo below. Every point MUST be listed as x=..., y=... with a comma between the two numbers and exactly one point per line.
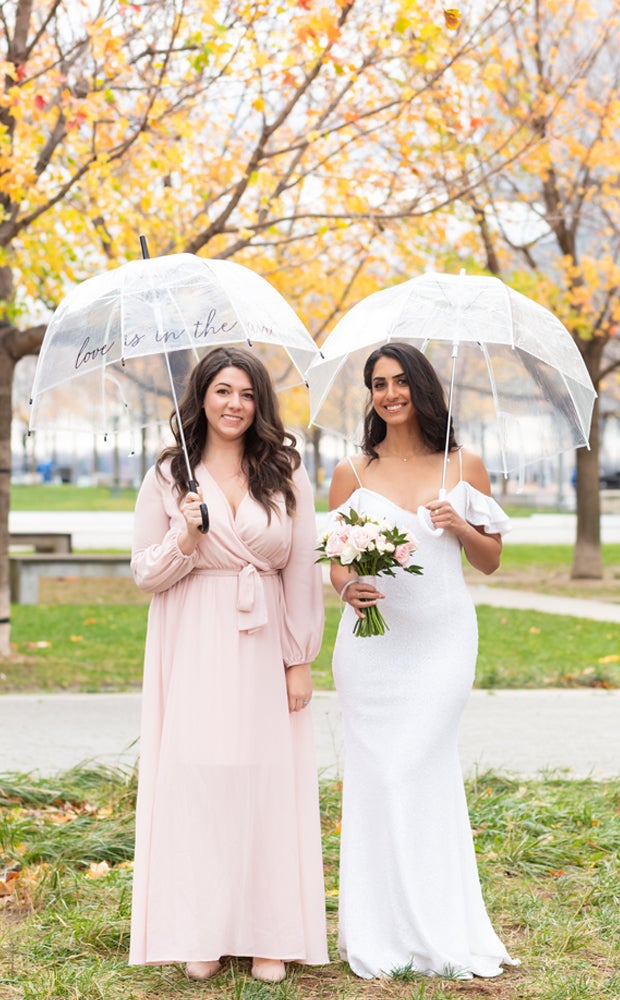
x=409, y=889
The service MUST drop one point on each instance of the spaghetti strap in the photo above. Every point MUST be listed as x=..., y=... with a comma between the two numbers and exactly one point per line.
x=460, y=463
x=349, y=460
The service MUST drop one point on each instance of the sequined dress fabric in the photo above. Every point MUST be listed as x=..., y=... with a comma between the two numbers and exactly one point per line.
x=410, y=894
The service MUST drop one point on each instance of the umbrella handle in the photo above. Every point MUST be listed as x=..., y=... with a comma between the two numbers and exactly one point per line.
x=424, y=518
x=204, y=527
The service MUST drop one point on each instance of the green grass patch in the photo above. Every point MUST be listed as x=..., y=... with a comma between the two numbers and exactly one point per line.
x=46, y=496
x=539, y=559
x=529, y=649
x=74, y=647
x=101, y=647
x=547, y=853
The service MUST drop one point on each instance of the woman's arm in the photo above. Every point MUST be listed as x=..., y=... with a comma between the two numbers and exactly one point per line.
x=162, y=551
x=304, y=613
x=481, y=550
x=346, y=582
x=343, y=484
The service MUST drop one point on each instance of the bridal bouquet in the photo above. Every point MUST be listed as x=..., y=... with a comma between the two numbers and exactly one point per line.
x=371, y=548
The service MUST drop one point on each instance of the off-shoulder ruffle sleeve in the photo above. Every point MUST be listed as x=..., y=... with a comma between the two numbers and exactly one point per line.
x=484, y=511
x=304, y=614
x=156, y=560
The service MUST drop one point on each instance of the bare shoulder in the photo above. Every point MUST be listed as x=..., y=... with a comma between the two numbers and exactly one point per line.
x=344, y=481
x=474, y=471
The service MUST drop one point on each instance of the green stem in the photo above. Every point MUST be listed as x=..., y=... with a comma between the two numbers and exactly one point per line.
x=373, y=623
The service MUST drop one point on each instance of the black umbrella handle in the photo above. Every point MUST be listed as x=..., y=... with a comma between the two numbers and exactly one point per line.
x=204, y=527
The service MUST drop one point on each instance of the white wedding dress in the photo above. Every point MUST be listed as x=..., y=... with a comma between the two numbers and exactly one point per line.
x=409, y=888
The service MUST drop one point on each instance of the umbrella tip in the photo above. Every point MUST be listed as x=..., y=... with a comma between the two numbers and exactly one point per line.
x=144, y=248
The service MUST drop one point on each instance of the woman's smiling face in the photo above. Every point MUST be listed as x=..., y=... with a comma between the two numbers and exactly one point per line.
x=229, y=403
x=391, y=396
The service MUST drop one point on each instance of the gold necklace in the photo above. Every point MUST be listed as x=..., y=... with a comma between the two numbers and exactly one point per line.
x=402, y=458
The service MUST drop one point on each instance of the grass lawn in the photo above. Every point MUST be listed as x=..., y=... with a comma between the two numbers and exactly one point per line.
x=547, y=854
x=45, y=496
x=88, y=635
x=99, y=647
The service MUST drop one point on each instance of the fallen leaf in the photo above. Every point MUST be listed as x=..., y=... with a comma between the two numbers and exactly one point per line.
x=98, y=869
x=8, y=881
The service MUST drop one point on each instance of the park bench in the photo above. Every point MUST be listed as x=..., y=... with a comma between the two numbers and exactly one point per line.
x=26, y=569
x=42, y=541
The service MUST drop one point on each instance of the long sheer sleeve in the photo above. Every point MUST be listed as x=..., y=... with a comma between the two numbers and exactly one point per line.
x=304, y=612
x=156, y=560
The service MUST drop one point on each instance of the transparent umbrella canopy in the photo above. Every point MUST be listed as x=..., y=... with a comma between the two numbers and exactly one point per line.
x=501, y=356
x=106, y=350
x=119, y=347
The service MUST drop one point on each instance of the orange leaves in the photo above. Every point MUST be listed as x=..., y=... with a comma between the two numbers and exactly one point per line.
x=452, y=18
x=8, y=880
x=318, y=26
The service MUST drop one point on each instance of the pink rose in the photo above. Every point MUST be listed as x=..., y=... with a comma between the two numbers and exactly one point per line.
x=360, y=538
x=403, y=552
x=336, y=542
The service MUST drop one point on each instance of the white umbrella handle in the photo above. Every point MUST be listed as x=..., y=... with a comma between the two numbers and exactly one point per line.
x=424, y=518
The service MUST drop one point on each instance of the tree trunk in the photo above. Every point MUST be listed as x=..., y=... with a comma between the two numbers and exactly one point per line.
x=587, y=557
x=7, y=367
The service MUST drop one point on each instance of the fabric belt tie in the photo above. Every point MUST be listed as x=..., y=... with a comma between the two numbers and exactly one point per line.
x=251, y=602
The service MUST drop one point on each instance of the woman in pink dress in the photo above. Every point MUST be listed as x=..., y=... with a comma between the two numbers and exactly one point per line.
x=228, y=853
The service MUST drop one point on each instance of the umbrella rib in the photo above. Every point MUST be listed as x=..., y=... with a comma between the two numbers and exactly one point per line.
x=496, y=405
x=190, y=474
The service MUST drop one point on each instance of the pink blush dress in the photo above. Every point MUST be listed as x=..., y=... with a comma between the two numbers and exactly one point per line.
x=228, y=850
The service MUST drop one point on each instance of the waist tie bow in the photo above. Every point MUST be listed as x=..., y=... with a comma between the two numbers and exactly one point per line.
x=251, y=603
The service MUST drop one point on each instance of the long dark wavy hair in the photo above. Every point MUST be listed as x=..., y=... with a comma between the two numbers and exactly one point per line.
x=427, y=396
x=269, y=455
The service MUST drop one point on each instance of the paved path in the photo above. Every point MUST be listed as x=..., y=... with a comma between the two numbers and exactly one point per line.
x=503, y=597
x=113, y=529
x=519, y=732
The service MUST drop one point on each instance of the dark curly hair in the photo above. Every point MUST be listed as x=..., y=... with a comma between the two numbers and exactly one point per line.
x=427, y=396
x=269, y=457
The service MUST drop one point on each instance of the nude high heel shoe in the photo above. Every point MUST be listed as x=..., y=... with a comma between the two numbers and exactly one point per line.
x=268, y=970
x=203, y=970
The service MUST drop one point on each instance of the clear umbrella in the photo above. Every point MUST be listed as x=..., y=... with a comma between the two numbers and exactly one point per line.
x=120, y=345
x=504, y=360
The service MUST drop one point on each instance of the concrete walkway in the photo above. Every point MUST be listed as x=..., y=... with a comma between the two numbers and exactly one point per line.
x=503, y=597
x=519, y=732
x=113, y=529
